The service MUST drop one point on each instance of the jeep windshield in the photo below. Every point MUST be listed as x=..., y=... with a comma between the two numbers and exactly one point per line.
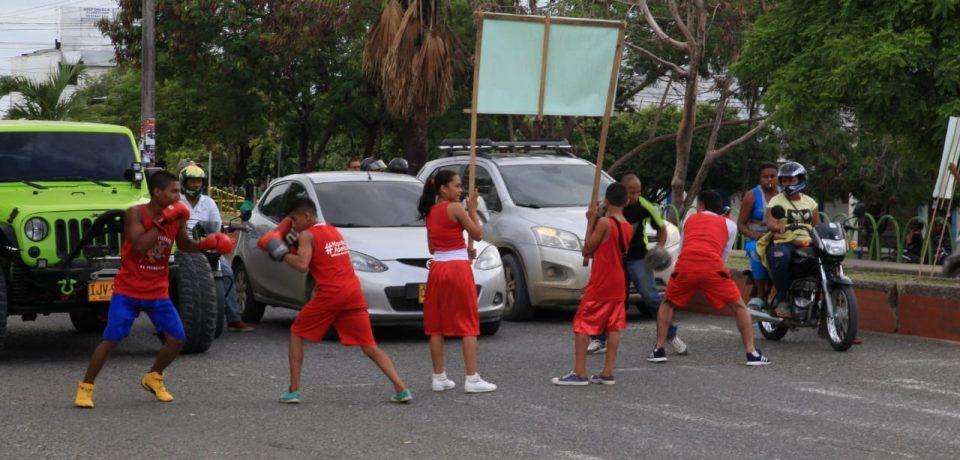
x=370, y=203
x=64, y=156
x=551, y=185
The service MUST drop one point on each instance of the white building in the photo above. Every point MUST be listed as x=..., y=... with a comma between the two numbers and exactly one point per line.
x=78, y=40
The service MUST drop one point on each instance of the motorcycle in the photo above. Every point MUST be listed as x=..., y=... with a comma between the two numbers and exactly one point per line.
x=820, y=295
x=201, y=230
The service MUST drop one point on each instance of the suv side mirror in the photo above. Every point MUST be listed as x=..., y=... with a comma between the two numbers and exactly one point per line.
x=245, y=215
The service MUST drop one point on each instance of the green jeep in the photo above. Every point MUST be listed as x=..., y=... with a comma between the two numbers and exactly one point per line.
x=63, y=191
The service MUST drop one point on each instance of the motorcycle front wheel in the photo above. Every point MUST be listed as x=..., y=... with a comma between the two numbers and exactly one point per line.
x=772, y=331
x=842, y=329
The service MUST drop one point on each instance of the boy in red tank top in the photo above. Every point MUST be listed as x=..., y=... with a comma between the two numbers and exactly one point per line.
x=337, y=297
x=603, y=305
x=141, y=284
x=707, y=239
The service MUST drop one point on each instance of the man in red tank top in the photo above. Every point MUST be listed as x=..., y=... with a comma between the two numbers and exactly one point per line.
x=701, y=266
x=603, y=304
x=337, y=297
x=141, y=285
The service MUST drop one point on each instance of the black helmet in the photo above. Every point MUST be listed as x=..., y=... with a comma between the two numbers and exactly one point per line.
x=372, y=164
x=792, y=169
x=398, y=165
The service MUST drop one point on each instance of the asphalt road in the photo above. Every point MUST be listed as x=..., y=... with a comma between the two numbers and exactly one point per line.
x=891, y=397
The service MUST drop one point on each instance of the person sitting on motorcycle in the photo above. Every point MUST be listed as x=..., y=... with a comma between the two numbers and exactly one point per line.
x=753, y=207
x=799, y=209
x=204, y=209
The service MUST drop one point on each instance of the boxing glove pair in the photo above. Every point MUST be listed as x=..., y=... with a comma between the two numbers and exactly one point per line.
x=280, y=241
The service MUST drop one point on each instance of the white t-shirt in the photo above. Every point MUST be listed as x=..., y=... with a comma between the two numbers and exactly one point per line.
x=205, y=211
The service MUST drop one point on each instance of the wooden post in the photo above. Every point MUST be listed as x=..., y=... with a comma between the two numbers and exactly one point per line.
x=472, y=168
x=543, y=67
x=604, y=127
x=928, y=240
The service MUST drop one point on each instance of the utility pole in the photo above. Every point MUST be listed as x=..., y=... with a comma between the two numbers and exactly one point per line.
x=148, y=114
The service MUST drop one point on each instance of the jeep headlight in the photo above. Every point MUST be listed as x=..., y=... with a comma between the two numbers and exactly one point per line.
x=364, y=263
x=556, y=238
x=36, y=229
x=488, y=259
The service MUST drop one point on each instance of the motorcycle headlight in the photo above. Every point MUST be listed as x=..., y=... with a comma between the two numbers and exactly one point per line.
x=834, y=247
x=36, y=229
x=556, y=238
x=488, y=259
x=364, y=263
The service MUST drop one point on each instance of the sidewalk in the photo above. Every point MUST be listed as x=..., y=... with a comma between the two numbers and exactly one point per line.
x=877, y=266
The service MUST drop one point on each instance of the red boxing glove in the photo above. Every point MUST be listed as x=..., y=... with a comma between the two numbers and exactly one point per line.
x=284, y=226
x=216, y=242
x=174, y=212
x=267, y=237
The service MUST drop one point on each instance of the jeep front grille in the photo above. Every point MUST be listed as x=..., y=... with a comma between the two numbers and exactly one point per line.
x=68, y=234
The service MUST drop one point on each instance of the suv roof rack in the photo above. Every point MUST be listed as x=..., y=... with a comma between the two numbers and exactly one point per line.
x=490, y=148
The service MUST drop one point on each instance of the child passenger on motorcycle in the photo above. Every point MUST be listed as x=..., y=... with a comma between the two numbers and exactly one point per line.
x=799, y=209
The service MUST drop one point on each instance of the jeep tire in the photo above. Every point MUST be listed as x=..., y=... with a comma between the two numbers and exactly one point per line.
x=194, y=293
x=3, y=309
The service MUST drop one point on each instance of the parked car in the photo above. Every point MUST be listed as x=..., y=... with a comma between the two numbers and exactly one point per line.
x=377, y=215
x=535, y=196
x=64, y=188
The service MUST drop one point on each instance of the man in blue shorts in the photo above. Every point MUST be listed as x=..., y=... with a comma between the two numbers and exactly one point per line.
x=751, y=226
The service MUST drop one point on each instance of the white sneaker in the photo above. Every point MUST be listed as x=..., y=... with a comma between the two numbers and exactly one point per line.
x=677, y=345
x=475, y=384
x=596, y=347
x=441, y=383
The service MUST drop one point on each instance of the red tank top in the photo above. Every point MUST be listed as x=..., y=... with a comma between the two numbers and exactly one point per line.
x=608, y=282
x=704, y=239
x=444, y=234
x=146, y=276
x=336, y=285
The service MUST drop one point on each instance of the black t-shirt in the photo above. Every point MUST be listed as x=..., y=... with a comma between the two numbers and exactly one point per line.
x=636, y=214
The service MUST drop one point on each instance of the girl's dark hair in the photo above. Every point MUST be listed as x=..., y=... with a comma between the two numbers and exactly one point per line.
x=432, y=188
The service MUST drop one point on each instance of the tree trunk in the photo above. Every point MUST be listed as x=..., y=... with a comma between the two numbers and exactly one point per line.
x=414, y=141
x=688, y=121
x=244, y=152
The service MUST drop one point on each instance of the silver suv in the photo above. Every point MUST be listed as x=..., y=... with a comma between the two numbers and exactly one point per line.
x=377, y=215
x=535, y=195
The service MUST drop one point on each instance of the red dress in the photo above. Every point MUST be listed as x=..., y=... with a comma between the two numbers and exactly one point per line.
x=450, y=303
x=603, y=305
x=146, y=276
x=337, y=297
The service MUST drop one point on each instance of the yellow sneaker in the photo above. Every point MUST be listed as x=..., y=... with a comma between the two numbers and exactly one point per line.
x=84, y=397
x=153, y=382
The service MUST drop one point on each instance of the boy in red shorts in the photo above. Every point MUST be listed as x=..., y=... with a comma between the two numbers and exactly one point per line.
x=603, y=305
x=707, y=240
x=149, y=232
x=337, y=298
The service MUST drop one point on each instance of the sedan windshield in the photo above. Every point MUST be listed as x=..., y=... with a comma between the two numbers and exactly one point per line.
x=39, y=156
x=370, y=203
x=551, y=185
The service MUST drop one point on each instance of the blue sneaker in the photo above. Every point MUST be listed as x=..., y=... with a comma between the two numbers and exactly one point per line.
x=659, y=355
x=757, y=359
x=402, y=397
x=291, y=397
x=571, y=379
x=602, y=380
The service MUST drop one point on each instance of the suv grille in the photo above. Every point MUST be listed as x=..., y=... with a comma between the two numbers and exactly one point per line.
x=68, y=233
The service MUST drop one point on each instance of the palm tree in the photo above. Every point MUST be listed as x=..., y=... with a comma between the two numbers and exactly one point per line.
x=44, y=99
x=409, y=55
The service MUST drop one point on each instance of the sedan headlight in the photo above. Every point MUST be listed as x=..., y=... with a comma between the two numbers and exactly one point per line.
x=488, y=259
x=36, y=229
x=364, y=263
x=834, y=247
x=556, y=238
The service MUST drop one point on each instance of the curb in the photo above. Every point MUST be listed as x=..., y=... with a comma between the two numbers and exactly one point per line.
x=893, y=308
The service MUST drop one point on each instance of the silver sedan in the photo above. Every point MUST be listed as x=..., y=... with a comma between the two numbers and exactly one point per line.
x=376, y=213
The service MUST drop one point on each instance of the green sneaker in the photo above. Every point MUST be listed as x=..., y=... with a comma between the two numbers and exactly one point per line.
x=291, y=397
x=402, y=397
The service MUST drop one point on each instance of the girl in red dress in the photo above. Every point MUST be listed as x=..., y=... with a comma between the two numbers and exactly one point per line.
x=450, y=303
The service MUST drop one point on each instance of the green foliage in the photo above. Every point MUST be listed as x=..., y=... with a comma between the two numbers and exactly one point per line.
x=861, y=90
x=44, y=99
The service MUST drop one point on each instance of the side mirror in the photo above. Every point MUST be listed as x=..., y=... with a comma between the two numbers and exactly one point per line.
x=134, y=173
x=778, y=212
x=245, y=216
x=860, y=210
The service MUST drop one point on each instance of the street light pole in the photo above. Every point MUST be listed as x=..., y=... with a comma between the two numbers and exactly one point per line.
x=148, y=120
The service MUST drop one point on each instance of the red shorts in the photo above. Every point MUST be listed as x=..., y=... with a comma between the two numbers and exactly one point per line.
x=352, y=325
x=450, y=303
x=596, y=317
x=717, y=286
